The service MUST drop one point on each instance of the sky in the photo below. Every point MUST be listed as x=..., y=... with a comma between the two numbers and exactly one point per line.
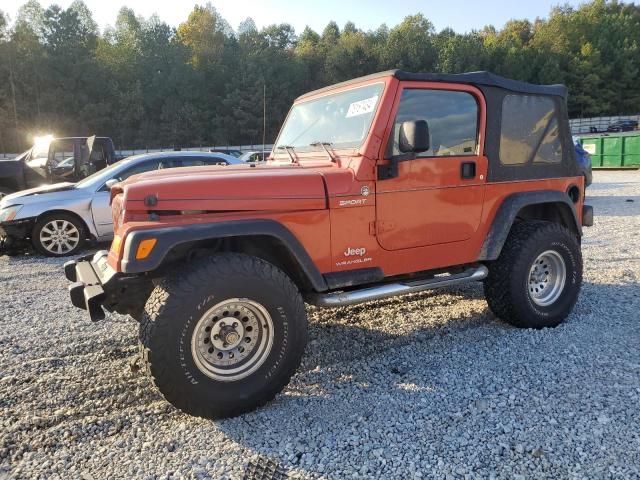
x=462, y=16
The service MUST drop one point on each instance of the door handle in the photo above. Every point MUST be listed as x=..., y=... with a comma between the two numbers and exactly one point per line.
x=467, y=170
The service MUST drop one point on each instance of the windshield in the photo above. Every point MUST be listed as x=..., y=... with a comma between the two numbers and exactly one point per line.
x=40, y=150
x=342, y=119
x=101, y=176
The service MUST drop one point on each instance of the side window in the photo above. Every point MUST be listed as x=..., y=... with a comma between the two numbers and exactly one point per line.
x=97, y=155
x=452, y=117
x=63, y=150
x=193, y=162
x=529, y=131
x=142, y=168
x=216, y=161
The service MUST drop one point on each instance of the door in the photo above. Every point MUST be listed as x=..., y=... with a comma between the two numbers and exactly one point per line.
x=61, y=164
x=86, y=161
x=37, y=162
x=100, y=208
x=36, y=167
x=437, y=197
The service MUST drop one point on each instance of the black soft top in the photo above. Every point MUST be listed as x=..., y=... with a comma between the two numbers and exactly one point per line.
x=472, y=78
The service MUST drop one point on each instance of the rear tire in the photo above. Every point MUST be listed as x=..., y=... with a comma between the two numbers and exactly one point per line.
x=58, y=235
x=536, y=280
x=222, y=337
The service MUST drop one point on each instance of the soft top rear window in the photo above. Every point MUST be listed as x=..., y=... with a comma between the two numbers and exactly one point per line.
x=529, y=132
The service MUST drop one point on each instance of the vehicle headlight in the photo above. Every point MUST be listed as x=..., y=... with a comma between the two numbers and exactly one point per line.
x=9, y=213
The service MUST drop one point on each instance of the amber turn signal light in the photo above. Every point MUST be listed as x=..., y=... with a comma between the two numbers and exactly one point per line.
x=145, y=247
x=115, y=244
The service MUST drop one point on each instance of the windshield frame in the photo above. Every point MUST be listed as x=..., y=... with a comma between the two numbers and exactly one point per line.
x=100, y=178
x=334, y=92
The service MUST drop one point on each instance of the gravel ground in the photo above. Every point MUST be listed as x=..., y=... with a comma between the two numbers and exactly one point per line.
x=430, y=385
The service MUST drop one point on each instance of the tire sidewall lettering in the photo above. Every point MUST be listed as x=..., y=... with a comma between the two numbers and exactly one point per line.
x=273, y=363
x=283, y=349
x=572, y=279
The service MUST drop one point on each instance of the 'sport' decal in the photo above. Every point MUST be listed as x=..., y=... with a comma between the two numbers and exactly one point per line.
x=352, y=203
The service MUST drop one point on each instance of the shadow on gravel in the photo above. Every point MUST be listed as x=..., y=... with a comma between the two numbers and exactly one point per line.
x=614, y=205
x=622, y=297
x=371, y=327
x=342, y=393
x=608, y=186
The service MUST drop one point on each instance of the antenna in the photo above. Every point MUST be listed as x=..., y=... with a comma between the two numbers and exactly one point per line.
x=264, y=117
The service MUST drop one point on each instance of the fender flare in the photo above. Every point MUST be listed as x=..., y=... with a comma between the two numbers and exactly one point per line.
x=169, y=237
x=508, y=211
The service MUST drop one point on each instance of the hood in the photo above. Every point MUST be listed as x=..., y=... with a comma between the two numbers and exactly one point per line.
x=38, y=194
x=12, y=168
x=229, y=188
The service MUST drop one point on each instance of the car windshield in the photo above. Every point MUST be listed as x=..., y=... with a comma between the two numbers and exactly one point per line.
x=101, y=176
x=341, y=119
x=40, y=149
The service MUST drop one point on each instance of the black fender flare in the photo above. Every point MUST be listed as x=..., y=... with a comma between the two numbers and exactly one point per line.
x=512, y=205
x=169, y=237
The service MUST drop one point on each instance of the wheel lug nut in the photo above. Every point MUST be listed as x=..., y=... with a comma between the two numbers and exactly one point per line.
x=235, y=324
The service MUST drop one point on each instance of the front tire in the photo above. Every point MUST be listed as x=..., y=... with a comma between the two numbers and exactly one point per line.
x=536, y=280
x=58, y=235
x=224, y=336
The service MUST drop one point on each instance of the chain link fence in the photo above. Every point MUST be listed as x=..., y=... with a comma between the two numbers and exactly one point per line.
x=597, y=124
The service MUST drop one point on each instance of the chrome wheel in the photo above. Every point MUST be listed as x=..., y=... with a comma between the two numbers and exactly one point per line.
x=232, y=339
x=547, y=278
x=59, y=237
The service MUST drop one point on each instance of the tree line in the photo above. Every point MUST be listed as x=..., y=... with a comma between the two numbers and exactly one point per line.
x=148, y=84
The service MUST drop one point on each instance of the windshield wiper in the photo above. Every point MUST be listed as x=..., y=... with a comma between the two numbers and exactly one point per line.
x=325, y=146
x=288, y=149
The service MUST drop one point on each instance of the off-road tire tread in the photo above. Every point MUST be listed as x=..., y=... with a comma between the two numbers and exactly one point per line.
x=523, y=235
x=164, y=304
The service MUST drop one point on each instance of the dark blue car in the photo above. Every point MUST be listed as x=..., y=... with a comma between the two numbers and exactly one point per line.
x=584, y=162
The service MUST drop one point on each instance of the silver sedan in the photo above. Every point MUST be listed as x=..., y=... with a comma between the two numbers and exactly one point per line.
x=58, y=219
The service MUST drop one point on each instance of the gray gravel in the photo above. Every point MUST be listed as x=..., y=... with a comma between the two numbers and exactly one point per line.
x=423, y=386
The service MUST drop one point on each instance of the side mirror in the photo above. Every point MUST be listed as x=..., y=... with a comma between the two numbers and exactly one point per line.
x=414, y=137
x=110, y=183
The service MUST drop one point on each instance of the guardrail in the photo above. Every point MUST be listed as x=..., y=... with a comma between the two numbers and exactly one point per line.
x=127, y=152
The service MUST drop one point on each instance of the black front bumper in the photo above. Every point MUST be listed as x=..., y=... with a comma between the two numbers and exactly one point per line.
x=97, y=287
x=92, y=279
x=14, y=234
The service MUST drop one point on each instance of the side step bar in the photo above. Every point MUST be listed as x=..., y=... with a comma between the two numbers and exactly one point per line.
x=341, y=299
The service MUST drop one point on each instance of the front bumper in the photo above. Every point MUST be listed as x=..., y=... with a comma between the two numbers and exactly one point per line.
x=91, y=278
x=14, y=234
x=96, y=287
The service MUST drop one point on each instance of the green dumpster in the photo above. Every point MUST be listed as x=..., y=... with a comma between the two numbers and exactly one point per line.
x=616, y=150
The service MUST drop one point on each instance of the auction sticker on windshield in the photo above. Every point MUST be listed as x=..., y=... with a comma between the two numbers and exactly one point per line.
x=362, y=107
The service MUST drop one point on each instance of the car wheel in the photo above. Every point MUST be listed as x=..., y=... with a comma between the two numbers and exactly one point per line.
x=223, y=336
x=58, y=235
x=536, y=280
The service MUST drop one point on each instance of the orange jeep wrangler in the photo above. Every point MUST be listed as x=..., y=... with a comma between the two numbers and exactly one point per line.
x=384, y=185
